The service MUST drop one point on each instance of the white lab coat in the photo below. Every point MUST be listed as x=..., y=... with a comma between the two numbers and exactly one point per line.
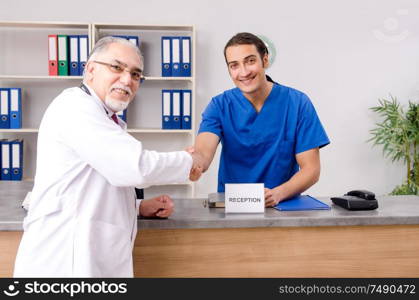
x=82, y=220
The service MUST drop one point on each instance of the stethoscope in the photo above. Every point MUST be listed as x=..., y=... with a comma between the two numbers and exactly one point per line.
x=85, y=89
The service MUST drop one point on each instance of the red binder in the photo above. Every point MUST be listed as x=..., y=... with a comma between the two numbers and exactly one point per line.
x=52, y=55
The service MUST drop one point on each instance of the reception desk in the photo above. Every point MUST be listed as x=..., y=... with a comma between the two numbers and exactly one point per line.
x=197, y=241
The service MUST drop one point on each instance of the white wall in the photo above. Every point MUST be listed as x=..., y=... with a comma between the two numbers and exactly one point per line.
x=340, y=53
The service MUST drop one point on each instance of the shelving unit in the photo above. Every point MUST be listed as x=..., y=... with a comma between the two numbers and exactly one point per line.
x=24, y=64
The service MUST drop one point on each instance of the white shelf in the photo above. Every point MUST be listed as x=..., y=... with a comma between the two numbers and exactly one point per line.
x=21, y=130
x=46, y=77
x=132, y=130
x=40, y=88
x=143, y=27
x=64, y=25
x=151, y=78
x=164, y=131
x=41, y=77
x=29, y=179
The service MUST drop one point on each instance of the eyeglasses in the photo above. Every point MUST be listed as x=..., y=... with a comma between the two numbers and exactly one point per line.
x=136, y=75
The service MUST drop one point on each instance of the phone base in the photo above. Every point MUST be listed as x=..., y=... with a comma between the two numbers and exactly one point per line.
x=355, y=203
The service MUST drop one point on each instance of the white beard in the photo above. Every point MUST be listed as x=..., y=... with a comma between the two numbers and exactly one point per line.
x=116, y=105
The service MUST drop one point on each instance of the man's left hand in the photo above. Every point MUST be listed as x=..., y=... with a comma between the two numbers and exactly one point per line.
x=272, y=197
x=161, y=206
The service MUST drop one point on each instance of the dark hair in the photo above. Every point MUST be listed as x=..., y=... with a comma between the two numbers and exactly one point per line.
x=246, y=38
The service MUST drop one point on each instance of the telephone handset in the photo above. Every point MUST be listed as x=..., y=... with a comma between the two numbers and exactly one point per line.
x=357, y=200
x=364, y=194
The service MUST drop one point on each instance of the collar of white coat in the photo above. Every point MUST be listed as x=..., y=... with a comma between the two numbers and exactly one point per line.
x=96, y=97
x=108, y=111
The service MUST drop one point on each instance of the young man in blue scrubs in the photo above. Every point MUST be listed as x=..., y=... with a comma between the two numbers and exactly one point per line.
x=269, y=133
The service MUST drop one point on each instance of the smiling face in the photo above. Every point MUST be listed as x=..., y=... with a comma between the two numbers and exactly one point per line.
x=116, y=89
x=247, y=68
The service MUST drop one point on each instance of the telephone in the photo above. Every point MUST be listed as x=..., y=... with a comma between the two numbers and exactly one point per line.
x=357, y=200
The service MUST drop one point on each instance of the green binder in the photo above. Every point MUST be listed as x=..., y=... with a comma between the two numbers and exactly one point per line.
x=63, y=55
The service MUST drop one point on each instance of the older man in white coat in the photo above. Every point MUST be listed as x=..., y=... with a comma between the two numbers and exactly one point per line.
x=82, y=221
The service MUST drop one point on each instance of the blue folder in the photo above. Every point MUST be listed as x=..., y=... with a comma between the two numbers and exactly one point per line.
x=83, y=52
x=73, y=41
x=4, y=107
x=123, y=115
x=16, y=159
x=176, y=113
x=166, y=56
x=176, y=56
x=185, y=66
x=166, y=99
x=5, y=160
x=15, y=113
x=302, y=202
x=186, y=109
x=134, y=39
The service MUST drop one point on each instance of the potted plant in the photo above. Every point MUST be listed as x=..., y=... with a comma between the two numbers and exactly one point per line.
x=398, y=133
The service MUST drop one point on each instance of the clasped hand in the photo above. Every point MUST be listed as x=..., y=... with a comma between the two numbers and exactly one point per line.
x=197, y=165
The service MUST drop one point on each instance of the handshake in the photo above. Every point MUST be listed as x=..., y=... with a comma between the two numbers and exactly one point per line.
x=197, y=165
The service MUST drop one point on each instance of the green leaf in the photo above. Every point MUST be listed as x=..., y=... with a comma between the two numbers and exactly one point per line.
x=398, y=131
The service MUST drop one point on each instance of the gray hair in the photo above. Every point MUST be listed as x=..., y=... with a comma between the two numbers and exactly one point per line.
x=103, y=45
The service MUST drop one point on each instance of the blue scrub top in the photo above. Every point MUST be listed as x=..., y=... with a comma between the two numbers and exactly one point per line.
x=261, y=147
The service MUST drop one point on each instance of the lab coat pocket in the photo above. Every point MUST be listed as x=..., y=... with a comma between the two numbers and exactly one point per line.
x=43, y=209
x=108, y=252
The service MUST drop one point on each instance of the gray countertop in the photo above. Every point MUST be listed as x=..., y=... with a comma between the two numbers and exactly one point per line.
x=191, y=213
x=12, y=194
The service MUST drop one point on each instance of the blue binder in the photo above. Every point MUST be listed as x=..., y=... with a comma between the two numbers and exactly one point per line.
x=302, y=202
x=166, y=99
x=1, y=159
x=16, y=158
x=134, y=39
x=123, y=115
x=166, y=56
x=176, y=115
x=83, y=52
x=186, y=109
x=176, y=55
x=4, y=107
x=185, y=66
x=5, y=160
x=74, y=45
x=15, y=115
